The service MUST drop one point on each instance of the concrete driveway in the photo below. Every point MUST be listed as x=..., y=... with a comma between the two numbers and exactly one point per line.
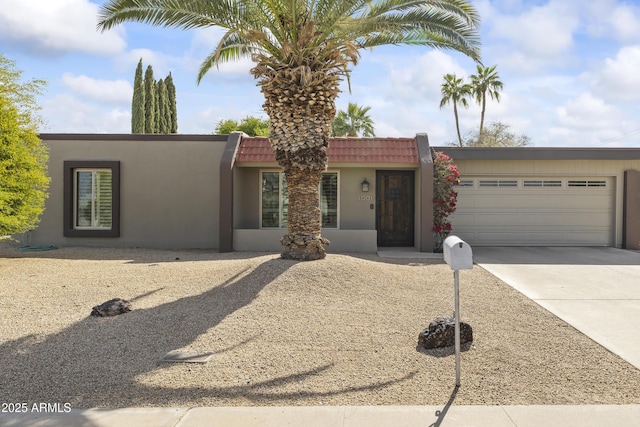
x=596, y=290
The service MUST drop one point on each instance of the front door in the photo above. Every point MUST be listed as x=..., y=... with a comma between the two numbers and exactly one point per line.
x=395, y=207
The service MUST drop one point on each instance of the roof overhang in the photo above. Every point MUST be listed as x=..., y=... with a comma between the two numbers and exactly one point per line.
x=254, y=151
x=539, y=153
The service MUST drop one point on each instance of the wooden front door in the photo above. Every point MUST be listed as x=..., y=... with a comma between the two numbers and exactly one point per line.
x=395, y=208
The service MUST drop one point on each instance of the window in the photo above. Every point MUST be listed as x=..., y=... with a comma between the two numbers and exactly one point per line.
x=92, y=204
x=498, y=183
x=587, y=183
x=329, y=200
x=542, y=183
x=92, y=199
x=465, y=183
x=275, y=201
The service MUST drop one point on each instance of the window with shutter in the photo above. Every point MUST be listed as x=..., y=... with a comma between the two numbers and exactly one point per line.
x=275, y=201
x=93, y=195
x=103, y=199
x=92, y=199
x=329, y=200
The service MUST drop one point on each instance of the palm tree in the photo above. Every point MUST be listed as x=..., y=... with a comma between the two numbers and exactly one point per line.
x=353, y=122
x=454, y=91
x=302, y=50
x=485, y=82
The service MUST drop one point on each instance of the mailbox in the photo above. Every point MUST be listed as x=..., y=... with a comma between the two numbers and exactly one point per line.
x=457, y=253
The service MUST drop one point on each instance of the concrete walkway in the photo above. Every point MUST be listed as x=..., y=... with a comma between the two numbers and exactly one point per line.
x=340, y=416
x=589, y=288
x=596, y=290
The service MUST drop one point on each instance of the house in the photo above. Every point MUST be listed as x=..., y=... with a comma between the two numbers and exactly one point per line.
x=228, y=193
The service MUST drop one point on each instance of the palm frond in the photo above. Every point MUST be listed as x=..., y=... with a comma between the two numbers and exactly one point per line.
x=319, y=34
x=185, y=14
x=231, y=47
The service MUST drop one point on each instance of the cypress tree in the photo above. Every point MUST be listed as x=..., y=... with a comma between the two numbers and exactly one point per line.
x=162, y=125
x=137, y=102
x=173, y=109
x=157, y=109
x=149, y=101
x=167, y=109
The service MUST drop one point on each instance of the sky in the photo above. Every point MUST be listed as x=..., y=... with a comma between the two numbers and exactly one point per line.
x=570, y=69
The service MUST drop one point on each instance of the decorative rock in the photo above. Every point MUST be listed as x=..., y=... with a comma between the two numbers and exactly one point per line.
x=113, y=307
x=303, y=248
x=441, y=333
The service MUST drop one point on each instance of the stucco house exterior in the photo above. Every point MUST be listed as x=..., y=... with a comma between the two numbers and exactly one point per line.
x=226, y=192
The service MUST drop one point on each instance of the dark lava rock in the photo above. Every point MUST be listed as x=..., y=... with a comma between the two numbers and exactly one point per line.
x=113, y=307
x=441, y=333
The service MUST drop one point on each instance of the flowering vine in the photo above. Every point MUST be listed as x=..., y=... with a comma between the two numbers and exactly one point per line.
x=445, y=177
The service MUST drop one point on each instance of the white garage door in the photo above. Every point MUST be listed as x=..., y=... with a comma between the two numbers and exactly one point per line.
x=535, y=211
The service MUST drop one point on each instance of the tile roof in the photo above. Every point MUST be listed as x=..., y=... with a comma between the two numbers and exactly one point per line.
x=341, y=150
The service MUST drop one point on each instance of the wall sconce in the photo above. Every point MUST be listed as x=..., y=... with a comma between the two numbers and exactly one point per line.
x=365, y=186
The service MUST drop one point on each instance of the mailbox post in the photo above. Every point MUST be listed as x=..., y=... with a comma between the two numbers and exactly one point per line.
x=458, y=254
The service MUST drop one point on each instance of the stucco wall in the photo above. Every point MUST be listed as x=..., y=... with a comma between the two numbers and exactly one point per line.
x=246, y=198
x=162, y=177
x=356, y=208
x=631, y=215
x=170, y=188
x=355, y=205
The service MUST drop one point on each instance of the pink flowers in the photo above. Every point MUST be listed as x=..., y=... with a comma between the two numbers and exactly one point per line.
x=445, y=176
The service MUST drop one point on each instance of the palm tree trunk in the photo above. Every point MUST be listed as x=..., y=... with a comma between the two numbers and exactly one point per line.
x=455, y=113
x=300, y=104
x=484, y=107
x=303, y=241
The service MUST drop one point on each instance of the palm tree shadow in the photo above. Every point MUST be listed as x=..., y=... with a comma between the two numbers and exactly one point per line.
x=89, y=364
x=86, y=362
x=262, y=391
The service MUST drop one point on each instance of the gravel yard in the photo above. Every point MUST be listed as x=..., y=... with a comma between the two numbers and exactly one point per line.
x=341, y=331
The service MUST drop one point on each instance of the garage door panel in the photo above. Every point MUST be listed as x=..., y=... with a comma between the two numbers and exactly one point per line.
x=546, y=238
x=563, y=219
x=528, y=215
x=531, y=201
x=532, y=231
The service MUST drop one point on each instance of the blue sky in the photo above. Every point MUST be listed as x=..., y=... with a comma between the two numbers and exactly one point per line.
x=570, y=68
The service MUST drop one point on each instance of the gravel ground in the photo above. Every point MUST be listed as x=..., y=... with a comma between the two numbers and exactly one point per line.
x=341, y=331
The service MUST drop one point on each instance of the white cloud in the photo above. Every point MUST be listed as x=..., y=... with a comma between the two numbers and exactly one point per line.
x=51, y=27
x=420, y=78
x=612, y=19
x=587, y=112
x=111, y=91
x=527, y=39
x=619, y=79
x=161, y=63
x=67, y=113
x=625, y=21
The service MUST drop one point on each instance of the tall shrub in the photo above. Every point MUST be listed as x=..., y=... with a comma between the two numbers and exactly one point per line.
x=137, y=101
x=23, y=156
x=163, y=120
x=173, y=109
x=445, y=177
x=149, y=101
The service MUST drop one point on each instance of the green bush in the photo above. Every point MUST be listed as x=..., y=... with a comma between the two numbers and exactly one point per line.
x=23, y=156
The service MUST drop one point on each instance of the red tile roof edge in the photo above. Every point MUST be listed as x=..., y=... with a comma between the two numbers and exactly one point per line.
x=341, y=150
